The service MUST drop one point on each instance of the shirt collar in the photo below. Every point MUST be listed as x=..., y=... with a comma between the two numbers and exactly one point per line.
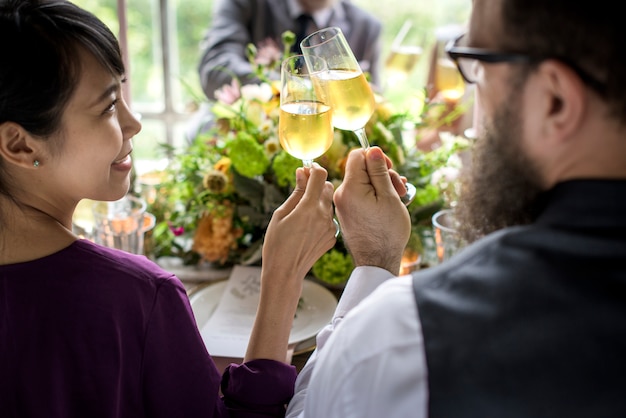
x=321, y=17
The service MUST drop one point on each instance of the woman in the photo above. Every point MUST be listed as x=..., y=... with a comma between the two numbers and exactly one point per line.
x=89, y=331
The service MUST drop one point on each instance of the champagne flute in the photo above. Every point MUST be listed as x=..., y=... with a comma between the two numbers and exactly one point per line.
x=403, y=57
x=304, y=126
x=448, y=82
x=351, y=95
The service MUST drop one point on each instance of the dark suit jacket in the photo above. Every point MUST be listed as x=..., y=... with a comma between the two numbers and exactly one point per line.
x=236, y=23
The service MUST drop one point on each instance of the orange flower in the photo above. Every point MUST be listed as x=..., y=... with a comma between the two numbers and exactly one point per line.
x=223, y=165
x=215, y=236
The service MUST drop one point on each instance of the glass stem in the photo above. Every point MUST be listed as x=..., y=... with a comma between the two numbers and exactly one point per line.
x=360, y=133
x=307, y=163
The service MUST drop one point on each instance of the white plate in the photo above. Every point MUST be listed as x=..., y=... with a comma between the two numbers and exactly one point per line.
x=314, y=312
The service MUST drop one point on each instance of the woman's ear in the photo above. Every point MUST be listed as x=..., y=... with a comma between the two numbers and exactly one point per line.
x=17, y=146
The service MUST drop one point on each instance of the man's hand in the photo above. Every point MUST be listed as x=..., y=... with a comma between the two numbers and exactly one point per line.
x=374, y=222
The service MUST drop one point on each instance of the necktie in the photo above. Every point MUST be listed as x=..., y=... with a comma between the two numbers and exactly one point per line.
x=303, y=22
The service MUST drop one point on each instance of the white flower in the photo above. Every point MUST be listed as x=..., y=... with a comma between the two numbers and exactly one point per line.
x=444, y=176
x=266, y=127
x=446, y=180
x=454, y=161
x=261, y=92
x=272, y=146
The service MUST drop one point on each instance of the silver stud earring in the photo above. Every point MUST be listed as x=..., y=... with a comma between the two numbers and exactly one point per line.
x=36, y=163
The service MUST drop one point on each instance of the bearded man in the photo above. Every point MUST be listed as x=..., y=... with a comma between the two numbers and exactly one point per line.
x=529, y=320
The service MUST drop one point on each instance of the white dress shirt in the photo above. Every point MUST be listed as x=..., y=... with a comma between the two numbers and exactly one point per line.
x=370, y=360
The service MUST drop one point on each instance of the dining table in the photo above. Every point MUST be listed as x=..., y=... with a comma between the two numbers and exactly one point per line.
x=197, y=281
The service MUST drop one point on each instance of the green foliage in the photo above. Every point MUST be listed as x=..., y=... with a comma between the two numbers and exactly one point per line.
x=284, y=168
x=334, y=267
x=240, y=164
x=247, y=155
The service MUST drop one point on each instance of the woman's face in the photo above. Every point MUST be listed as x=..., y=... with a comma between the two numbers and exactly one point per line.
x=93, y=155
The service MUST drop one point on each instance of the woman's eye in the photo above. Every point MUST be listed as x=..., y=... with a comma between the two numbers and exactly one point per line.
x=111, y=107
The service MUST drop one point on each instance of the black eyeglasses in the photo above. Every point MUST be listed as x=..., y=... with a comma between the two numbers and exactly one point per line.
x=468, y=59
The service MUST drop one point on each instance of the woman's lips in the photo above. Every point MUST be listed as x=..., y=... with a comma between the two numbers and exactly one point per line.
x=121, y=160
x=123, y=163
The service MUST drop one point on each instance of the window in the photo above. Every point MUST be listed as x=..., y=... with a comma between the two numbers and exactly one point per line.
x=162, y=41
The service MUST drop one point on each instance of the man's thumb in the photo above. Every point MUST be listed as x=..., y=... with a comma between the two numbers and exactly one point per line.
x=378, y=171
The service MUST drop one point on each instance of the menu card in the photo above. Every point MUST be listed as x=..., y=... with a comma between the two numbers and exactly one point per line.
x=227, y=332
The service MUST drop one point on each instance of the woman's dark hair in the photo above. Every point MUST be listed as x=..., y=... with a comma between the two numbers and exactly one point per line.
x=40, y=42
x=588, y=36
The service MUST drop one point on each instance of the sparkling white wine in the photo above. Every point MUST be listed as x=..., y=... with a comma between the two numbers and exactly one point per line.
x=351, y=98
x=448, y=80
x=304, y=129
x=401, y=62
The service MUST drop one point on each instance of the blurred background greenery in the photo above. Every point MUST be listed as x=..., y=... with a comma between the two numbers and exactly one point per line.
x=163, y=49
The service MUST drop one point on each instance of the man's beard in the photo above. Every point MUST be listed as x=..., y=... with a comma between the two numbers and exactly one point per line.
x=502, y=184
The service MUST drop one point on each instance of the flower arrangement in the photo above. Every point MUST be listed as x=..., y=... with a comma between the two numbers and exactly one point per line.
x=217, y=196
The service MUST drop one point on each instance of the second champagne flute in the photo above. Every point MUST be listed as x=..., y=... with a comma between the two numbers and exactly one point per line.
x=304, y=126
x=351, y=95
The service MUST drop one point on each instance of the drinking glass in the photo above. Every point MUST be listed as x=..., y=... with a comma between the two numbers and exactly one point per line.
x=351, y=95
x=404, y=55
x=447, y=238
x=304, y=126
x=448, y=81
x=122, y=224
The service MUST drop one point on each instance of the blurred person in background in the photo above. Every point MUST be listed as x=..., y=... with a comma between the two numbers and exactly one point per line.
x=237, y=23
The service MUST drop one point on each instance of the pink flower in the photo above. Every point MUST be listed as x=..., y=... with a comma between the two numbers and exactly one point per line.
x=228, y=93
x=268, y=53
x=177, y=230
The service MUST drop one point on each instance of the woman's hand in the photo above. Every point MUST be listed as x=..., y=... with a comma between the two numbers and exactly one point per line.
x=300, y=232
